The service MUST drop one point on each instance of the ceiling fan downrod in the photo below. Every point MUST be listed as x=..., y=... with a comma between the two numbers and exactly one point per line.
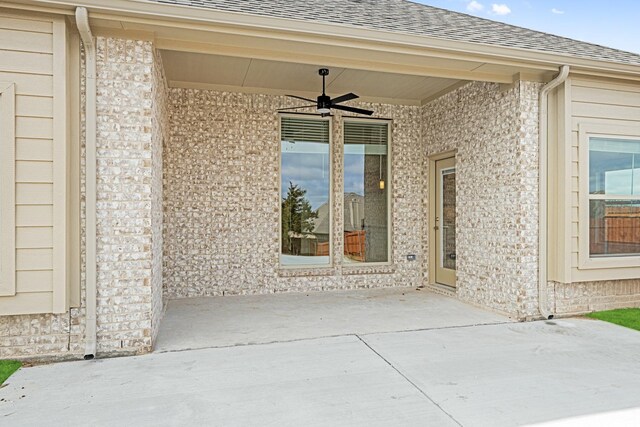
x=324, y=101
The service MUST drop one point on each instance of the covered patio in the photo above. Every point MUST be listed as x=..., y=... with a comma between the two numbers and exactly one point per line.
x=195, y=323
x=220, y=121
x=225, y=181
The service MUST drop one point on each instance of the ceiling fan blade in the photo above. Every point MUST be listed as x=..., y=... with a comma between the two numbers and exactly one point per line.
x=297, y=108
x=344, y=98
x=352, y=109
x=299, y=97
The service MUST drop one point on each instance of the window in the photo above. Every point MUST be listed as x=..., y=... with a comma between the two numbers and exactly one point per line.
x=366, y=192
x=305, y=182
x=614, y=196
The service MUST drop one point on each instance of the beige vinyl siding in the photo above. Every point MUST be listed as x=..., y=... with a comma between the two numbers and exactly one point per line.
x=34, y=149
x=596, y=102
x=7, y=189
x=33, y=57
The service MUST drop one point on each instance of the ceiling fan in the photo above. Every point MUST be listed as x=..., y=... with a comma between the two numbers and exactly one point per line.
x=324, y=103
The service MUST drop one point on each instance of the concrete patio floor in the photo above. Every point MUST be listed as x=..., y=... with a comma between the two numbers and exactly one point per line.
x=486, y=372
x=193, y=323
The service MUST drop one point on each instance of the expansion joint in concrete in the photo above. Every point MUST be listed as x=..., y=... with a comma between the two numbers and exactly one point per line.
x=422, y=392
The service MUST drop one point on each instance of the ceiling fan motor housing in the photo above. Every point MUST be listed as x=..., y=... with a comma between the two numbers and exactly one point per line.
x=324, y=103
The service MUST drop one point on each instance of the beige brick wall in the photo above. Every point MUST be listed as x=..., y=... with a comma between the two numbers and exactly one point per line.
x=221, y=205
x=495, y=134
x=129, y=151
x=160, y=121
x=580, y=298
x=49, y=336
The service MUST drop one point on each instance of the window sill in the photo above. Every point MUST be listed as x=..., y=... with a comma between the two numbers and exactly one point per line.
x=613, y=262
x=306, y=272
x=349, y=270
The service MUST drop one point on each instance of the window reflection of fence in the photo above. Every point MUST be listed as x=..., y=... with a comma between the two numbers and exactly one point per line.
x=322, y=249
x=354, y=244
x=617, y=232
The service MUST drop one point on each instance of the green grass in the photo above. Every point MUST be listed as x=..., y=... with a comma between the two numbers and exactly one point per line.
x=8, y=367
x=628, y=317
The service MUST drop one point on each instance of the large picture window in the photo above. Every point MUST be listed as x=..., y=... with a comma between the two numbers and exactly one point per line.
x=614, y=197
x=366, y=191
x=305, y=177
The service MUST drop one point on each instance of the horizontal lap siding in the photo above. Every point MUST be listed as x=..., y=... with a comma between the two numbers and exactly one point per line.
x=596, y=102
x=26, y=41
x=26, y=59
x=34, y=149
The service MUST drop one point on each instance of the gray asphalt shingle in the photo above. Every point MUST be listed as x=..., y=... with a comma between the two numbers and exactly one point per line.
x=406, y=17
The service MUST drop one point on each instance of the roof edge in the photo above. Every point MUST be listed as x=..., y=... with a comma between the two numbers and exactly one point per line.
x=206, y=18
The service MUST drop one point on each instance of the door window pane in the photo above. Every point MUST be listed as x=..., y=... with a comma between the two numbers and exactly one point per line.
x=305, y=175
x=448, y=216
x=366, y=192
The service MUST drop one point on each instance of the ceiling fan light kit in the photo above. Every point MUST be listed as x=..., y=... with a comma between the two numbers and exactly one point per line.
x=324, y=104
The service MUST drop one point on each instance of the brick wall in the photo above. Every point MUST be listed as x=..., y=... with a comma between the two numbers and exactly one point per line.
x=495, y=134
x=221, y=206
x=129, y=157
x=160, y=124
x=579, y=298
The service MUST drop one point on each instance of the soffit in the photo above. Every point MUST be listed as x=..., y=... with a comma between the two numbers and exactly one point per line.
x=196, y=70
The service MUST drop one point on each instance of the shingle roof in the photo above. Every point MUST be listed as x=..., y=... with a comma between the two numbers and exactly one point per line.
x=406, y=17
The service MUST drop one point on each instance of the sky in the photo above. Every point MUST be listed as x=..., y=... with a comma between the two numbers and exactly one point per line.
x=306, y=164
x=310, y=171
x=613, y=23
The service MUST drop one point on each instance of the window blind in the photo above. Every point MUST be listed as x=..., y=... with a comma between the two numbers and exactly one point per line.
x=366, y=133
x=293, y=129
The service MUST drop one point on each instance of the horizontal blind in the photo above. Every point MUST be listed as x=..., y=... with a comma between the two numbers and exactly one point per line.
x=293, y=129
x=366, y=133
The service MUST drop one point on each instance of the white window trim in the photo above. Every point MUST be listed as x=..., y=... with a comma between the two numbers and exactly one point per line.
x=585, y=132
x=7, y=189
x=389, y=186
x=330, y=265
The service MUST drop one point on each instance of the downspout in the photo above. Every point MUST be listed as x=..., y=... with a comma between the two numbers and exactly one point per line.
x=543, y=297
x=82, y=21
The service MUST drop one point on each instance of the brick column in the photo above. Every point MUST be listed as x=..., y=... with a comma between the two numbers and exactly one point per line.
x=129, y=187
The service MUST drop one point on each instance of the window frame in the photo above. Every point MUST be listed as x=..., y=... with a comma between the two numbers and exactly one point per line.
x=7, y=189
x=388, y=186
x=586, y=131
x=331, y=263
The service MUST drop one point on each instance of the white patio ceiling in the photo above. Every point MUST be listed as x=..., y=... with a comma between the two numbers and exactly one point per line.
x=218, y=72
